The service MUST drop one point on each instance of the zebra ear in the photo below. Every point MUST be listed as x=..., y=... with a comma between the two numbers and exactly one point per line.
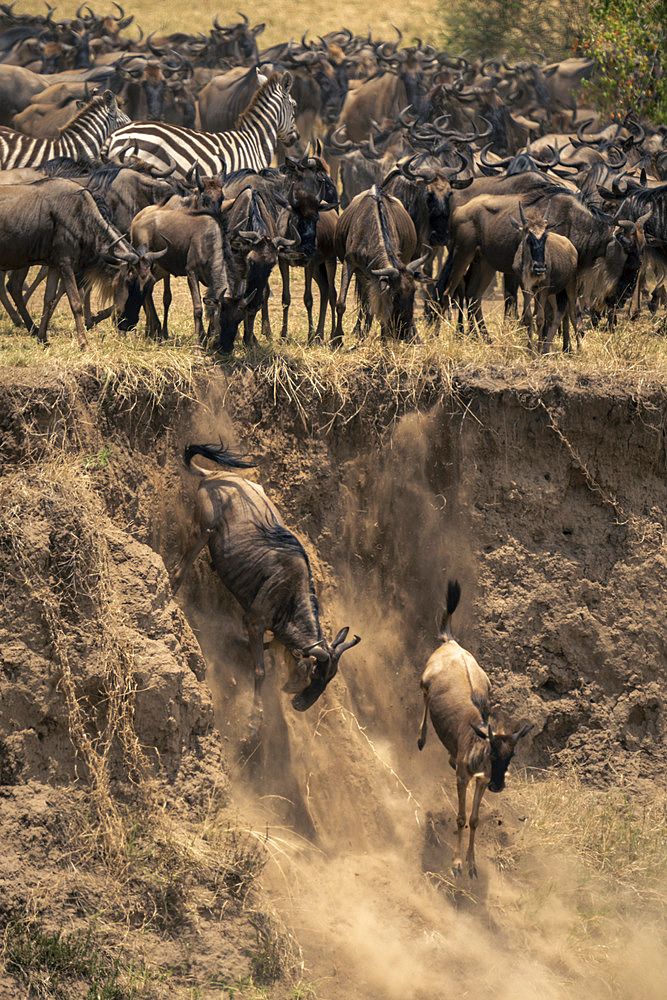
x=261, y=79
x=286, y=82
x=109, y=98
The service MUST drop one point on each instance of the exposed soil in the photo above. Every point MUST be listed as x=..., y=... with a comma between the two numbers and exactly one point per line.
x=546, y=499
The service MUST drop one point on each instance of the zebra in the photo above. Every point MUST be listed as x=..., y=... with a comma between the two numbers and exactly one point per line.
x=269, y=116
x=81, y=139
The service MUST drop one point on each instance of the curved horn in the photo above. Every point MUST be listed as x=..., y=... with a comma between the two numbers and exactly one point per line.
x=524, y=220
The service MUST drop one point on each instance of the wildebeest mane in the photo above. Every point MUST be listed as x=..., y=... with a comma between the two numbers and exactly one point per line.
x=384, y=229
x=279, y=537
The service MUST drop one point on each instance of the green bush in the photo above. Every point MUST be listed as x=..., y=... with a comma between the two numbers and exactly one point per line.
x=514, y=27
x=626, y=39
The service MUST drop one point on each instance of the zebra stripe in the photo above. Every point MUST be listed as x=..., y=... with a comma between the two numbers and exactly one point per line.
x=268, y=117
x=80, y=139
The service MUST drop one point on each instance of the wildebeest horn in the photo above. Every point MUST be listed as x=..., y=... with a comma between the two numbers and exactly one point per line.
x=318, y=651
x=335, y=142
x=524, y=220
x=247, y=236
x=194, y=174
x=385, y=272
x=415, y=265
x=154, y=255
x=339, y=645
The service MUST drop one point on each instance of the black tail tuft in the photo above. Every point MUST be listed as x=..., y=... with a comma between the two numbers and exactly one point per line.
x=453, y=596
x=218, y=454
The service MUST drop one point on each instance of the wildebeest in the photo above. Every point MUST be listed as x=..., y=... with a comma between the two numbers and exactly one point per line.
x=266, y=568
x=481, y=235
x=57, y=222
x=546, y=265
x=376, y=240
x=456, y=696
x=196, y=247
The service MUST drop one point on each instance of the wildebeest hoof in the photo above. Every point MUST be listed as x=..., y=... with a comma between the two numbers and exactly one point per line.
x=457, y=868
x=472, y=870
x=421, y=743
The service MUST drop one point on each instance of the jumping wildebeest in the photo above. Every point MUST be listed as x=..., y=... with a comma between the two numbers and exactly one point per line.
x=456, y=696
x=267, y=570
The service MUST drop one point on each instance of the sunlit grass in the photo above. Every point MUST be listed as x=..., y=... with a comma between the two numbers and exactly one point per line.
x=288, y=19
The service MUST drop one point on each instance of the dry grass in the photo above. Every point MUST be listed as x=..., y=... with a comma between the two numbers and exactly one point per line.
x=74, y=590
x=634, y=354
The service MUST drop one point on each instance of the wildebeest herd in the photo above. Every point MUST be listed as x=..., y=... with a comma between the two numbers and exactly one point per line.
x=408, y=166
x=126, y=161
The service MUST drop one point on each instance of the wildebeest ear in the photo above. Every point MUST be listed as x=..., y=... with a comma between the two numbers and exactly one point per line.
x=261, y=79
x=258, y=29
x=515, y=222
x=523, y=732
x=483, y=735
x=286, y=82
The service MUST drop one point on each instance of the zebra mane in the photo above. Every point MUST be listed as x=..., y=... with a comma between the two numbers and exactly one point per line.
x=92, y=105
x=273, y=80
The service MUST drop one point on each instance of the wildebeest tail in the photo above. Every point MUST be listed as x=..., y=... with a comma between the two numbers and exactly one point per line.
x=453, y=598
x=218, y=454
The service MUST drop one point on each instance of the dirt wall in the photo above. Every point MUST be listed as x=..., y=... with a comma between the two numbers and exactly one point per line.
x=547, y=499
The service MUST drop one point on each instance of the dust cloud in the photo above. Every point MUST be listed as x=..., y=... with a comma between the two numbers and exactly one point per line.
x=361, y=826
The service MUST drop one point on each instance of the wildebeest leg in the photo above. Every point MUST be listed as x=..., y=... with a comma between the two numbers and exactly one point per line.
x=69, y=281
x=249, y=338
x=572, y=311
x=549, y=315
x=166, y=302
x=256, y=639
x=421, y=742
x=337, y=338
x=322, y=281
x=50, y=299
x=188, y=559
x=266, y=320
x=461, y=788
x=480, y=277
x=330, y=267
x=9, y=308
x=308, y=298
x=510, y=295
x=40, y=277
x=480, y=788
x=527, y=315
x=153, y=326
x=196, y=306
x=287, y=298
x=15, y=289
